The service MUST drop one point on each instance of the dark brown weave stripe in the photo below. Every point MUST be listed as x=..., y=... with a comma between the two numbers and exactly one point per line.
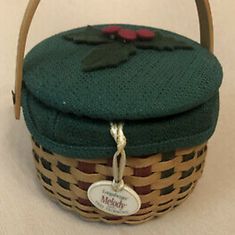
x=84, y=202
x=143, y=172
x=83, y=185
x=85, y=167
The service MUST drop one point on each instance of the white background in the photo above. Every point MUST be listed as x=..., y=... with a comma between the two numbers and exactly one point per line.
x=24, y=209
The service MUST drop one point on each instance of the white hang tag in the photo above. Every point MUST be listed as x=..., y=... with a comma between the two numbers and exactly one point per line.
x=119, y=203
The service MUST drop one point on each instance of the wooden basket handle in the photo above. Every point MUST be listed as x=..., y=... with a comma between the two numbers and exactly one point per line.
x=206, y=31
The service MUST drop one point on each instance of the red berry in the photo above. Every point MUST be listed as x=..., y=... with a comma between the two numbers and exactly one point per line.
x=112, y=29
x=127, y=34
x=145, y=34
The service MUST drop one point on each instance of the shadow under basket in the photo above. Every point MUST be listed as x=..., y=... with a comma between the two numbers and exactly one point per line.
x=163, y=181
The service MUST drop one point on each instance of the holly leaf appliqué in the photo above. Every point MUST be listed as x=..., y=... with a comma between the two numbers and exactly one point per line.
x=113, y=48
x=89, y=35
x=163, y=43
x=107, y=55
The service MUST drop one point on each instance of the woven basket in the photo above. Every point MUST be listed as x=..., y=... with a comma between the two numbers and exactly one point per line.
x=162, y=181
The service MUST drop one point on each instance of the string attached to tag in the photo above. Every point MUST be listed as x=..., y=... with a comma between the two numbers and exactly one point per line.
x=119, y=158
x=114, y=197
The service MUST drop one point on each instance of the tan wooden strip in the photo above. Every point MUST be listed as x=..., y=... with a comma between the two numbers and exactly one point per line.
x=89, y=178
x=79, y=192
x=166, y=182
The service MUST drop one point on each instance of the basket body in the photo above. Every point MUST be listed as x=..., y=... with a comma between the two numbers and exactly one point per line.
x=70, y=112
x=163, y=181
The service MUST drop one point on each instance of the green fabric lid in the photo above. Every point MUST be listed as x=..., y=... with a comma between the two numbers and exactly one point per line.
x=152, y=84
x=166, y=99
x=83, y=137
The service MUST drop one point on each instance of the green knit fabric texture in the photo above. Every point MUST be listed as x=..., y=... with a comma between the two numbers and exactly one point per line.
x=83, y=137
x=166, y=99
x=152, y=84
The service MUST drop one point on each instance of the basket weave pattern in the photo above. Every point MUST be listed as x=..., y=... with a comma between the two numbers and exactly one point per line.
x=163, y=181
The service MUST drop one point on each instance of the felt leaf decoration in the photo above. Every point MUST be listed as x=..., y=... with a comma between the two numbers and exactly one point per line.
x=107, y=55
x=89, y=35
x=162, y=43
x=115, y=44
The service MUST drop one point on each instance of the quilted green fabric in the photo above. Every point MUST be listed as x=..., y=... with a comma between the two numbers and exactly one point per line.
x=167, y=100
